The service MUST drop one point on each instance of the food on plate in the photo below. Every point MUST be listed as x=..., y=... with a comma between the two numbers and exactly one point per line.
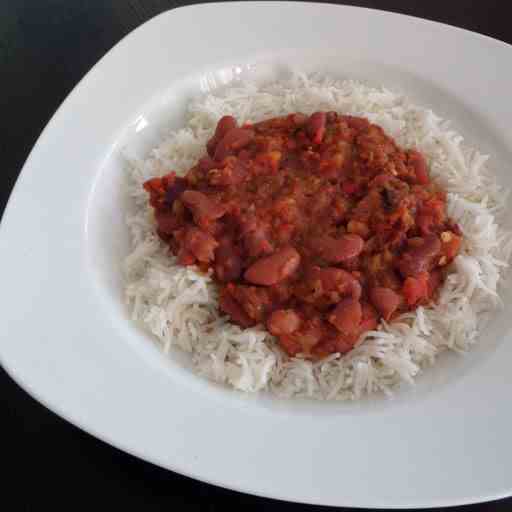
x=317, y=227
x=328, y=254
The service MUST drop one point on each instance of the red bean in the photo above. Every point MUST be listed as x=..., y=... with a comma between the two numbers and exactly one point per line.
x=254, y=236
x=202, y=245
x=235, y=139
x=228, y=305
x=316, y=126
x=166, y=221
x=385, y=300
x=425, y=222
x=274, y=268
x=336, y=250
x=343, y=343
x=224, y=125
x=370, y=320
x=228, y=265
x=310, y=334
x=419, y=258
x=347, y=316
x=283, y=321
x=335, y=280
x=247, y=223
x=204, y=209
x=290, y=344
x=256, y=243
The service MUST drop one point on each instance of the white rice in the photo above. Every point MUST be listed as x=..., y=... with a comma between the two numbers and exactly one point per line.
x=179, y=306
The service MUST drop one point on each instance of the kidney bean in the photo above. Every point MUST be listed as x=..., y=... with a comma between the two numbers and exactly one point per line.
x=310, y=334
x=274, y=268
x=247, y=223
x=346, y=316
x=224, y=125
x=202, y=245
x=419, y=258
x=370, y=319
x=256, y=243
x=336, y=250
x=290, y=344
x=316, y=126
x=228, y=305
x=425, y=222
x=358, y=228
x=351, y=265
x=204, y=209
x=344, y=342
x=283, y=321
x=254, y=236
x=235, y=139
x=228, y=264
x=333, y=279
x=385, y=300
x=166, y=221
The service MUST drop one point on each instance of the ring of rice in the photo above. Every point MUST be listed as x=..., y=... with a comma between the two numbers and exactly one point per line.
x=179, y=305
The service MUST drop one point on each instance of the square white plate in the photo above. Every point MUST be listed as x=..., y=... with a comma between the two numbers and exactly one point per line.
x=67, y=338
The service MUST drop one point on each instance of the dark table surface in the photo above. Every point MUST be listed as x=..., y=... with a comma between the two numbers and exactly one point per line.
x=46, y=47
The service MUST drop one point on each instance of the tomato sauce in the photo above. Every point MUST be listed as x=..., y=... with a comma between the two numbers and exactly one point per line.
x=315, y=226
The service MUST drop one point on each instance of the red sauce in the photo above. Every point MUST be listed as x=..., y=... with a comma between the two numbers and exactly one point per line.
x=316, y=227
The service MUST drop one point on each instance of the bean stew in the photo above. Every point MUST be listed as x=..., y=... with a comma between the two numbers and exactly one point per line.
x=315, y=226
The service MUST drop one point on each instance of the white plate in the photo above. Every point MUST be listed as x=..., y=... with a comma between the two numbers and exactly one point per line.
x=66, y=336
